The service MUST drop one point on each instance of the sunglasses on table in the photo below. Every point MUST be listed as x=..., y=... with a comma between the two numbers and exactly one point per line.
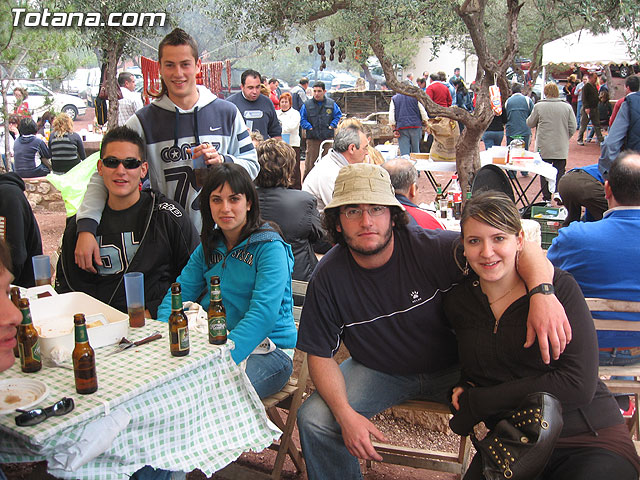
x=128, y=163
x=28, y=418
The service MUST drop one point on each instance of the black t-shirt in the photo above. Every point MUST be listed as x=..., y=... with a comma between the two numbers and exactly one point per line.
x=391, y=317
x=119, y=235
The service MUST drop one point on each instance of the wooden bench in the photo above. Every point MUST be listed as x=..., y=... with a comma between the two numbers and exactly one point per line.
x=422, y=458
x=290, y=399
x=631, y=387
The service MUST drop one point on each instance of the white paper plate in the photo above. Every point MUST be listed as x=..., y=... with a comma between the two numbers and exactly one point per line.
x=21, y=393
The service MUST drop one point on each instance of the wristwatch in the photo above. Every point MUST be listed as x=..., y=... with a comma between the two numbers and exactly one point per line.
x=543, y=288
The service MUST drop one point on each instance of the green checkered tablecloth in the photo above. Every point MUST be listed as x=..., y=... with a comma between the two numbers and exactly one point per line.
x=175, y=413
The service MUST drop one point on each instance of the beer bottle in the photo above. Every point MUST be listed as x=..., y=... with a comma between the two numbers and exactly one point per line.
x=28, y=344
x=84, y=358
x=441, y=201
x=15, y=298
x=217, y=315
x=178, y=324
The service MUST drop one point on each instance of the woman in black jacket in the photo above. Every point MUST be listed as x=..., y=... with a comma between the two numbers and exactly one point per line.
x=294, y=211
x=488, y=311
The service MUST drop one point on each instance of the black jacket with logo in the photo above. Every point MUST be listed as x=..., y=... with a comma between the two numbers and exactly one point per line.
x=168, y=238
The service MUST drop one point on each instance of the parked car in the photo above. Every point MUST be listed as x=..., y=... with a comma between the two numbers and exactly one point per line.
x=331, y=79
x=42, y=99
x=623, y=71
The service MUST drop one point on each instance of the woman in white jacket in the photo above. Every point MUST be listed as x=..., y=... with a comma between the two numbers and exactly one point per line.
x=290, y=120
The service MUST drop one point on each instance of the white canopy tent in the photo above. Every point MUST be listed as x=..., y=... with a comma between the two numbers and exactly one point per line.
x=584, y=47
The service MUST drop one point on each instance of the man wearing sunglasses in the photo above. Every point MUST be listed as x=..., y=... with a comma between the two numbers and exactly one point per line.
x=140, y=231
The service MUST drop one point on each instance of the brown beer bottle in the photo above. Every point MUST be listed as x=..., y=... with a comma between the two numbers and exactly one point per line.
x=84, y=358
x=15, y=298
x=28, y=344
x=178, y=324
x=217, y=315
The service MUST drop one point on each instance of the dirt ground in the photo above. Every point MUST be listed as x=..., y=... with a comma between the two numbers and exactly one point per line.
x=398, y=430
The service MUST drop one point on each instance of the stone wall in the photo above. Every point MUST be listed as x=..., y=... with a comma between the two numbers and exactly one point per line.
x=43, y=196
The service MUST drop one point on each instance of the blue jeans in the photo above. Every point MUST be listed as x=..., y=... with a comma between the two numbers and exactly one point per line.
x=619, y=357
x=491, y=138
x=579, y=107
x=40, y=171
x=369, y=392
x=409, y=140
x=270, y=372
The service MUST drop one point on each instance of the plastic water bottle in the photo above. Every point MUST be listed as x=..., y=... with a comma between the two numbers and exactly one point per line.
x=47, y=129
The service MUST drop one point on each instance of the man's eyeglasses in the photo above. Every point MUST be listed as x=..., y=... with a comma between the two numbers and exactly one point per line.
x=128, y=163
x=37, y=415
x=356, y=213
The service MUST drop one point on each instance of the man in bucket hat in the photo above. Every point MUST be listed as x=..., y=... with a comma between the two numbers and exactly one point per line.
x=380, y=290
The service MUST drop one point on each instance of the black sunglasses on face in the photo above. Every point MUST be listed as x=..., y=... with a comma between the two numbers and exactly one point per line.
x=128, y=163
x=37, y=415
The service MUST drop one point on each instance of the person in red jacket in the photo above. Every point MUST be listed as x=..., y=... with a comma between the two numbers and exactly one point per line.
x=438, y=91
x=404, y=178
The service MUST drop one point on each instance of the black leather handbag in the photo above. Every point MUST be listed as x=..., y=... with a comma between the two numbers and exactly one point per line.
x=519, y=446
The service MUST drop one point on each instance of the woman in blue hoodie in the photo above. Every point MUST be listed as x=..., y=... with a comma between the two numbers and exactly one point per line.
x=254, y=265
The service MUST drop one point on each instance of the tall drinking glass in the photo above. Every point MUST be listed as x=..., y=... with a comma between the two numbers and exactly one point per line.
x=134, y=288
x=42, y=269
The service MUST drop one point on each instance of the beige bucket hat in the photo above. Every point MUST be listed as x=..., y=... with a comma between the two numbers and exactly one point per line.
x=363, y=183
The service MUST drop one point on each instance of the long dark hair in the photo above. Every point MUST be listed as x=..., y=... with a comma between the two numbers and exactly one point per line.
x=240, y=182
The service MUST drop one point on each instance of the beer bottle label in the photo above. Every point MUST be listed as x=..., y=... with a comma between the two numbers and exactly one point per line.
x=183, y=338
x=22, y=357
x=81, y=334
x=176, y=302
x=26, y=317
x=35, y=351
x=215, y=293
x=217, y=326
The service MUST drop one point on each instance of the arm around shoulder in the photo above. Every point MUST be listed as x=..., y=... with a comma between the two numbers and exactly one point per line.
x=547, y=319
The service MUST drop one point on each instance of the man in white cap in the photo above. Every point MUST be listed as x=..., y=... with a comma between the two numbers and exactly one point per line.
x=380, y=290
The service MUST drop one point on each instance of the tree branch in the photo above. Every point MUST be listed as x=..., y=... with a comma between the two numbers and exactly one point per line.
x=327, y=12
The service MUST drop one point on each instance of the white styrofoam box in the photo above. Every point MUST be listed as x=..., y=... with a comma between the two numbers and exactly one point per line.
x=54, y=316
x=389, y=152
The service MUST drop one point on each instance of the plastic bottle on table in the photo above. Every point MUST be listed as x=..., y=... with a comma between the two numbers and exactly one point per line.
x=47, y=130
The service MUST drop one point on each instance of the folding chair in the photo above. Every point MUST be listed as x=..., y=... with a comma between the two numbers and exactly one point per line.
x=289, y=398
x=631, y=387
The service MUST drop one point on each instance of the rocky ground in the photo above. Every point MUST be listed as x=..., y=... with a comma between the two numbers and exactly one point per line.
x=393, y=425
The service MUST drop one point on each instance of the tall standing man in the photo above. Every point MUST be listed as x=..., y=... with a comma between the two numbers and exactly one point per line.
x=257, y=110
x=185, y=128
x=131, y=101
x=518, y=107
x=590, y=100
x=380, y=291
x=319, y=117
x=407, y=116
